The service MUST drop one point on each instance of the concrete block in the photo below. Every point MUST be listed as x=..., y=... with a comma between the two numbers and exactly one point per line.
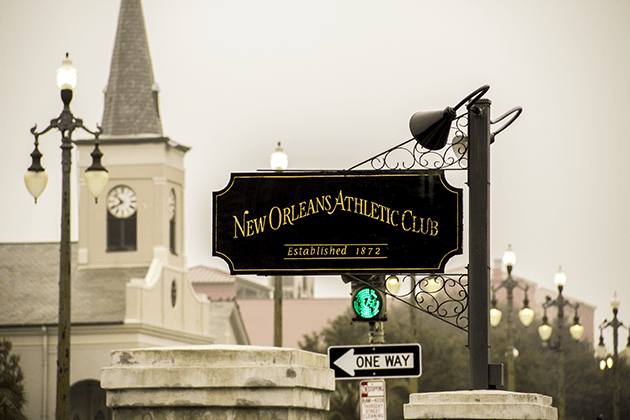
x=218, y=382
x=479, y=404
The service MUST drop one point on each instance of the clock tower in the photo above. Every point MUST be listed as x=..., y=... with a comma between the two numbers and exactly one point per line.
x=139, y=217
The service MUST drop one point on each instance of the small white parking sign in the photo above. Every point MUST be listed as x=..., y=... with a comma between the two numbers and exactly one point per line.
x=373, y=406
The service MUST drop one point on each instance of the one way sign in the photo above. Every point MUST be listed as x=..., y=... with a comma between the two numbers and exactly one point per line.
x=375, y=361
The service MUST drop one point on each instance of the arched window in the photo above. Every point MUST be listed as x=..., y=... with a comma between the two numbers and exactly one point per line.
x=88, y=401
x=172, y=207
x=122, y=219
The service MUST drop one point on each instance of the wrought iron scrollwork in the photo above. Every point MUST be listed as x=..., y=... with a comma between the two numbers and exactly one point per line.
x=439, y=295
x=411, y=155
x=443, y=296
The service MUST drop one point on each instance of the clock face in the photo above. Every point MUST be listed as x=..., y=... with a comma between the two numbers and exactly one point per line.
x=122, y=202
x=171, y=205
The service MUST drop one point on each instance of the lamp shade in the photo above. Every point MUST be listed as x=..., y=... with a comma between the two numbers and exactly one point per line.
x=432, y=285
x=66, y=75
x=544, y=331
x=614, y=302
x=96, y=175
x=509, y=258
x=36, y=182
x=526, y=315
x=36, y=177
x=279, y=159
x=431, y=128
x=601, y=348
x=96, y=181
x=560, y=279
x=576, y=331
x=495, y=317
x=393, y=285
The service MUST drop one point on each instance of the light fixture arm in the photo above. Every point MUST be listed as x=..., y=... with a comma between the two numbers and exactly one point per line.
x=473, y=97
x=516, y=111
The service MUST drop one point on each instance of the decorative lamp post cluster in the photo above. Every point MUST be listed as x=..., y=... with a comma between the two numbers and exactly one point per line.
x=612, y=362
x=36, y=179
x=526, y=314
x=545, y=331
x=279, y=162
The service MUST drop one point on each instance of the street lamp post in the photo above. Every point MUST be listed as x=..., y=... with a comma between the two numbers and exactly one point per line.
x=545, y=331
x=526, y=314
x=431, y=130
x=36, y=179
x=279, y=162
x=601, y=349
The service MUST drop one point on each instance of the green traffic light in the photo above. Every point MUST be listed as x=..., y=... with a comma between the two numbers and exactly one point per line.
x=367, y=303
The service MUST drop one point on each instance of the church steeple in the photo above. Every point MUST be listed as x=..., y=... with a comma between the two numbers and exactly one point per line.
x=131, y=95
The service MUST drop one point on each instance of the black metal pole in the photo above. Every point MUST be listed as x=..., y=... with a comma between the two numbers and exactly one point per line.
x=561, y=387
x=479, y=243
x=66, y=124
x=615, y=324
x=63, y=337
x=511, y=381
x=277, y=311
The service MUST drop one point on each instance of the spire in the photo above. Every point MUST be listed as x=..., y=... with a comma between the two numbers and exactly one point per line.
x=131, y=95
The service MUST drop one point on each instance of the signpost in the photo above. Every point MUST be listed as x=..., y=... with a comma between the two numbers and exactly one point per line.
x=337, y=222
x=373, y=402
x=375, y=361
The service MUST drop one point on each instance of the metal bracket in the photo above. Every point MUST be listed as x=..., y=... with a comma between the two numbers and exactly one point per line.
x=442, y=296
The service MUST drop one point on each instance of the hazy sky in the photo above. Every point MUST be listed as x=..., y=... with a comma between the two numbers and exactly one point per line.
x=336, y=83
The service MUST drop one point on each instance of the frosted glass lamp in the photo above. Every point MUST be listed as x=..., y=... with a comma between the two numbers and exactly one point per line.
x=526, y=315
x=279, y=159
x=495, y=317
x=66, y=75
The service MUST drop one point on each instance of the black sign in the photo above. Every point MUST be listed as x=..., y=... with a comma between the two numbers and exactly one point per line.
x=337, y=222
x=375, y=361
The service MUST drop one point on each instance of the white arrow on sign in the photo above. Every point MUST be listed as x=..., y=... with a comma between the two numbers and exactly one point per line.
x=350, y=362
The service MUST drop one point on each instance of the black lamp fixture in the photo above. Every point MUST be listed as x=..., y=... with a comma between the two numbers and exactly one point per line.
x=36, y=179
x=545, y=330
x=612, y=362
x=96, y=176
x=469, y=149
x=432, y=128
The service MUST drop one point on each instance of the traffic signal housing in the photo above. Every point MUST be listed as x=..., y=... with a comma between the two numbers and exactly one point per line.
x=369, y=300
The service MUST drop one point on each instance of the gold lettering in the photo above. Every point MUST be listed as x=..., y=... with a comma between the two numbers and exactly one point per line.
x=279, y=218
x=421, y=230
x=374, y=211
x=434, y=227
x=320, y=204
x=249, y=228
x=403, y=220
x=287, y=216
x=302, y=209
x=293, y=218
x=259, y=224
x=338, y=202
x=348, y=199
x=358, y=204
x=311, y=208
x=237, y=224
x=394, y=211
